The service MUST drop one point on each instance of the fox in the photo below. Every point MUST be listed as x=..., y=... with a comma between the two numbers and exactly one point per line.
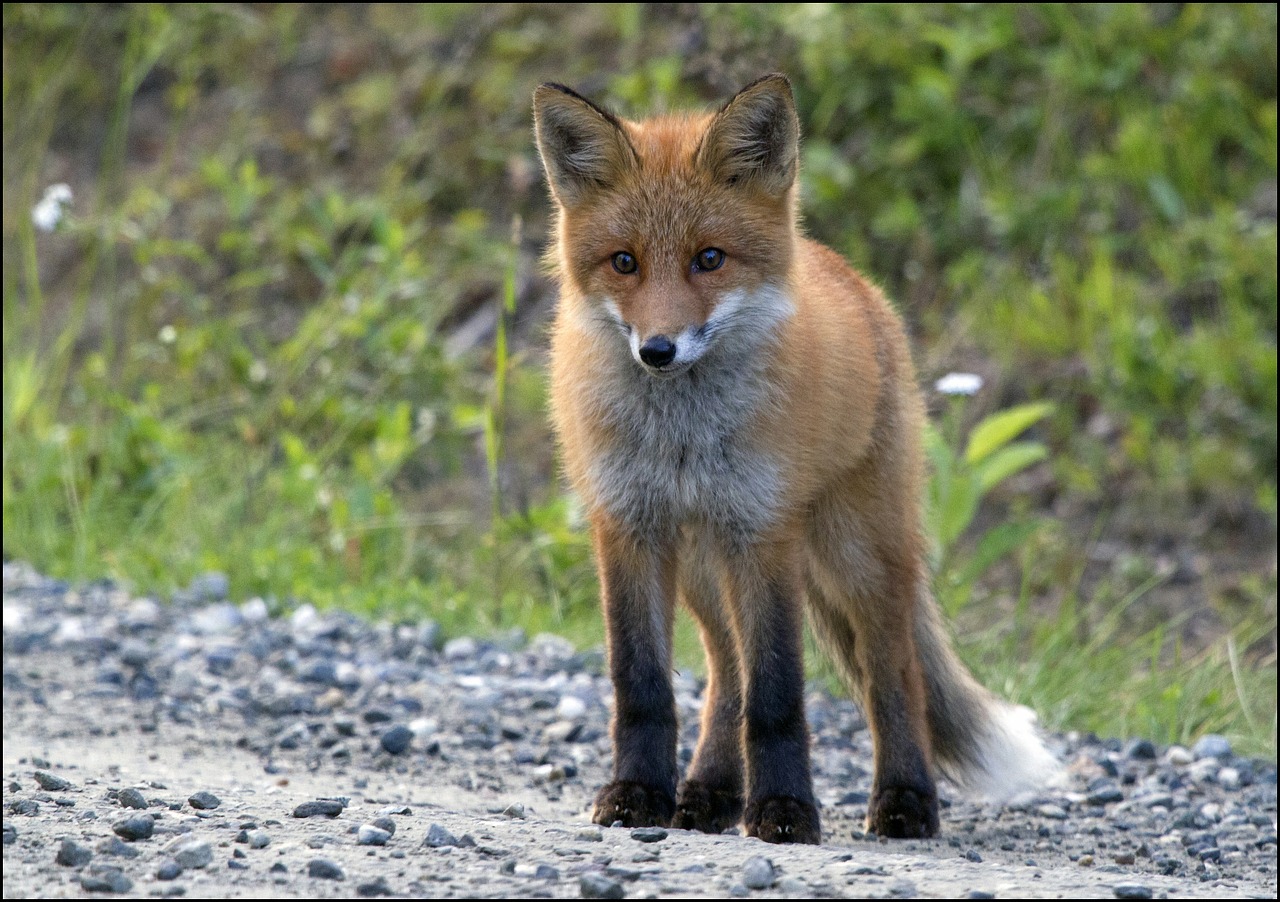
x=737, y=410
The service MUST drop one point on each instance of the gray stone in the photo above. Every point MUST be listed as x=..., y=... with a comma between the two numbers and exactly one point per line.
x=190, y=852
x=139, y=826
x=438, y=836
x=51, y=782
x=320, y=807
x=1211, y=745
x=1141, y=749
x=204, y=801
x=105, y=879
x=597, y=886
x=396, y=740
x=758, y=873
x=369, y=835
x=131, y=798
x=73, y=855
x=324, y=869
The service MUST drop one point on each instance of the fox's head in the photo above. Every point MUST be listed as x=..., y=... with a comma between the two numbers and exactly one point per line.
x=677, y=229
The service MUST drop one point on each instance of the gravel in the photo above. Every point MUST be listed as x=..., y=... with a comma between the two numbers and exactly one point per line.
x=318, y=754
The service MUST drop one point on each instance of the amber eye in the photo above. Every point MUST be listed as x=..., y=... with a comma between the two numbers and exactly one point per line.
x=708, y=259
x=624, y=263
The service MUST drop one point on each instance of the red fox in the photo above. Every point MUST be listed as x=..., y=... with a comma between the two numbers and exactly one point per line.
x=738, y=410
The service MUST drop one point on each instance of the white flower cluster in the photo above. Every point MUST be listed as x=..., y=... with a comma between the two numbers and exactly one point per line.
x=959, y=384
x=48, y=213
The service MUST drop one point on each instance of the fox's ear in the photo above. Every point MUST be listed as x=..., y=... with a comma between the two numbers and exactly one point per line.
x=583, y=147
x=755, y=139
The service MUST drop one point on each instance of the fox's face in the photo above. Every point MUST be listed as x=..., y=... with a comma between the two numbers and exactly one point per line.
x=674, y=232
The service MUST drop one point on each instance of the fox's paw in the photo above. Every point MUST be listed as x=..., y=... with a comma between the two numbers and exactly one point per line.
x=634, y=804
x=703, y=807
x=783, y=819
x=902, y=812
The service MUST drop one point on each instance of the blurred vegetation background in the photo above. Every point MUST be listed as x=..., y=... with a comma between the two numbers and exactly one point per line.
x=290, y=326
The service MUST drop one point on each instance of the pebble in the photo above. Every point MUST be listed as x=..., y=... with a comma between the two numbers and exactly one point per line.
x=134, y=828
x=117, y=847
x=51, y=782
x=73, y=855
x=1141, y=749
x=131, y=798
x=589, y=834
x=204, y=801
x=168, y=870
x=1105, y=795
x=571, y=707
x=1211, y=745
x=190, y=852
x=369, y=835
x=757, y=873
x=1131, y=891
x=396, y=740
x=593, y=885
x=105, y=879
x=378, y=887
x=319, y=808
x=1179, y=756
x=648, y=834
x=438, y=836
x=324, y=869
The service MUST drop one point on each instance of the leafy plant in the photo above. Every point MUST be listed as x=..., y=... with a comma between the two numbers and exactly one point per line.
x=961, y=476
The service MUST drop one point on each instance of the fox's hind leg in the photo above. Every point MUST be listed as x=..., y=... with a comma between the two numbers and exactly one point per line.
x=711, y=798
x=862, y=606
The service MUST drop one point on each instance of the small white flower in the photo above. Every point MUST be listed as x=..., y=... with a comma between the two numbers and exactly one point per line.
x=959, y=384
x=168, y=335
x=257, y=371
x=48, y=213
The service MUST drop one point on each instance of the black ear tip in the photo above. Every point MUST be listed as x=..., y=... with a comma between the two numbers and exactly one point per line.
x=773, y=79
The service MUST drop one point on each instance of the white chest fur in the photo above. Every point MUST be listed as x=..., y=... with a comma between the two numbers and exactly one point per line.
x=684, y=450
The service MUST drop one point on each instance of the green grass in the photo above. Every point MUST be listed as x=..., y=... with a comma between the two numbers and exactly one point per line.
x=239, y=350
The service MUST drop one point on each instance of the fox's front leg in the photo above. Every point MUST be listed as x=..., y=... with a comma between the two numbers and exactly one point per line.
x=764, y=583
x=637, y=581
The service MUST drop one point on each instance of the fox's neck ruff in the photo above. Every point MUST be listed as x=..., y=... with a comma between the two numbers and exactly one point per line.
x=682, y=447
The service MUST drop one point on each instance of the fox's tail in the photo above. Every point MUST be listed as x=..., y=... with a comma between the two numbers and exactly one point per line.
x=983, y=744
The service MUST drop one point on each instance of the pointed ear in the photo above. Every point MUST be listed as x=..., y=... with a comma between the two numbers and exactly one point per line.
x=755, y=139
x=583, y=147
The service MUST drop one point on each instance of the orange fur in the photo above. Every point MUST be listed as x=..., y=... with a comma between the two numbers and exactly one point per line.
x=757, y=422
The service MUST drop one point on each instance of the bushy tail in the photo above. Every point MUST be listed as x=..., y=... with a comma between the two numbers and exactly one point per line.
x=983, y=744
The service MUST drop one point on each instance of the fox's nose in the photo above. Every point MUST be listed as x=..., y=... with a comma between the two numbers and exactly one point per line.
x=658, y=351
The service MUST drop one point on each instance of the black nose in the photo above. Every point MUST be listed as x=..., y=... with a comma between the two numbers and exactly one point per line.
x=658, y=351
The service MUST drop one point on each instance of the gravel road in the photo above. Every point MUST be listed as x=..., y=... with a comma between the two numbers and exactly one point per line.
x=202, y=748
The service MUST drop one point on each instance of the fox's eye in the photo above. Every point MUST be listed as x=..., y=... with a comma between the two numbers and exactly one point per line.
x=624, y=263
x=709, y=259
